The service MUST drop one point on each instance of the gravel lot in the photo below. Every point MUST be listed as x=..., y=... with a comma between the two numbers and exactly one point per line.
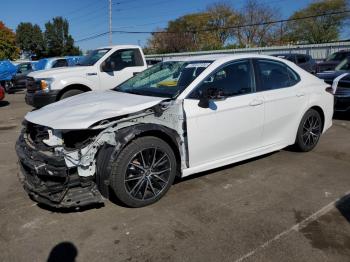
x=280, y=207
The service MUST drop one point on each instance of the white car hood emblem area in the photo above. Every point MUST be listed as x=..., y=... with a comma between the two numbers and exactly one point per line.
x=81, y=111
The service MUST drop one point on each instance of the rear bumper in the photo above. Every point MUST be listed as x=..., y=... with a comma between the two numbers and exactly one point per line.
x=40, y=99
x=47, y=180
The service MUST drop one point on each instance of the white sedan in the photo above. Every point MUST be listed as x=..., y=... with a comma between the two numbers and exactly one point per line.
x=176, y=118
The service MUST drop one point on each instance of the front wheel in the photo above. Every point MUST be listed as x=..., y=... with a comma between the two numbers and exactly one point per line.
x=309, y=131
x=143, y=171
x=70, y=93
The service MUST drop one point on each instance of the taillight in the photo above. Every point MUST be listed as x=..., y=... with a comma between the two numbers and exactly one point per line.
x=329, y=89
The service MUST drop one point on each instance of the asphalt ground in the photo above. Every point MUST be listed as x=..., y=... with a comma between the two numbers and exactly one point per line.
x=284, y=206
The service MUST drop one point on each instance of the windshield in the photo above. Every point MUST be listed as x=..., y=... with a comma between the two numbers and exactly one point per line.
x=344, y=65
x=166, y=79
x=339, y=56
x=92, y=57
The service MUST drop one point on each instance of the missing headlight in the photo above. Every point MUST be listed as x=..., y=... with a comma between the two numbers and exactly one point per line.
x=75, y=139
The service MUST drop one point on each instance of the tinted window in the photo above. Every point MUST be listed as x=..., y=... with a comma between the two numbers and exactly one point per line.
x=275, y=75
x=126, y=58
x=338, y=56
x=231, y=80
x=301, y=59
x=60, y=63
x=25, y=67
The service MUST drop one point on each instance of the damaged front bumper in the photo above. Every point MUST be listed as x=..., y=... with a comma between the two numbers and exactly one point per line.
x=48, y=180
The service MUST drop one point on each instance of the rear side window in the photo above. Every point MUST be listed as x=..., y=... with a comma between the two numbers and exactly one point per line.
x=275, y=75
x=60, y=63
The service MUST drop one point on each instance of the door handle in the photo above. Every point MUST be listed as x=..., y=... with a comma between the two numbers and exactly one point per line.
x=91, y=74
x=300, y=94
x=256, y=102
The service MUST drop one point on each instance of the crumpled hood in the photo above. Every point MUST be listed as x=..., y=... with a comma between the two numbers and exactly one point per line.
x=81, y=111
x=54, y=72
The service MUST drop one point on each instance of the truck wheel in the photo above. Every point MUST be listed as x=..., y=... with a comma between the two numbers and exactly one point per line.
x=143, y=172
x=70, y=93
x=309, y=131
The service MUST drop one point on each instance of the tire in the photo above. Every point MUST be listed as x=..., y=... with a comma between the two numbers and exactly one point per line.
x=70, y=93
x=143, y=172
x=8, y=86
x=309, y=131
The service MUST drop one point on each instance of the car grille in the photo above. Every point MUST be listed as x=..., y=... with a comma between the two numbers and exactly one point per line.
x=31, y=84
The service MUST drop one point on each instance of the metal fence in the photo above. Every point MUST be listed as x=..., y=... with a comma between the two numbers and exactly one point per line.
x=317, y=51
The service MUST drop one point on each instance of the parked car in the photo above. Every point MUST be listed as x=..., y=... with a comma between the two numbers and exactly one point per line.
x=342, y=92
x=2, y=93
x=103, y=68
x=306, y=62
x=136, y=138
x=7, y=71
x=332, y=61
x=19, y=79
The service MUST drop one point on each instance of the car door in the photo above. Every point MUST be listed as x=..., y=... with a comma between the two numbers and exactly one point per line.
x=232, y=125
x=126, y=63
x=285, y=99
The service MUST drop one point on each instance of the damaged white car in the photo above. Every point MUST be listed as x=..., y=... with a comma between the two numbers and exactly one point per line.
x=177, y=118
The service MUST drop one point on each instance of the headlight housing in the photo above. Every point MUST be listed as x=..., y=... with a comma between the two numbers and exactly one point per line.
x=45, y=84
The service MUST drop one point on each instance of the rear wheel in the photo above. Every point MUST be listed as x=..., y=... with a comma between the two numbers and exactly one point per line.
x=143, y=171
x=309, y=131
x=70, y=93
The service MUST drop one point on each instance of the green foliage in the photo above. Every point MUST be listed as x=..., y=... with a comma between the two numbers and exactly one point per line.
x=58, y=40
x=318, y=29
x=29, y=38
x=188, y=32
x=8, y=48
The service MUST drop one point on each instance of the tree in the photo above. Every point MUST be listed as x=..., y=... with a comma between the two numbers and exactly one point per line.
x=197, y=31
x=318, y=29
x=29, y=39
x=8, y=48
x=259, y=32
x=58, y=40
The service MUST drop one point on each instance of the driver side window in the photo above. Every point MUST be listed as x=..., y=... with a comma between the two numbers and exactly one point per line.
x=125, y=58
x=231, y=80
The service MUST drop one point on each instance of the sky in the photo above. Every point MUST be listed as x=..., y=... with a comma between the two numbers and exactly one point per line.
x=90, y=17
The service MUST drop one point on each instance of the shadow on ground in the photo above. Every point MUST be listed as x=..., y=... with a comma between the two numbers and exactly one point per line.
x=343, y=205
x=4, y=103
x=63, y=252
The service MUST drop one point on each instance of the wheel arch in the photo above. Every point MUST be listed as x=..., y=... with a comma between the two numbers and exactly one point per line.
x=320, y=111
x=81, y=87
x=125, y=135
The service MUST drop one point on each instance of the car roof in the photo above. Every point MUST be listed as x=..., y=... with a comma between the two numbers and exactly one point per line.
x=223, y=57
x=119, y=46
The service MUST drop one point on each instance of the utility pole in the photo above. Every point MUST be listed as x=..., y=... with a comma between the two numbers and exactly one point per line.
x=110, y=22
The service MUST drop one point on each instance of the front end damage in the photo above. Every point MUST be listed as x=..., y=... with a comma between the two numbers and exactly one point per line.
x=64, y=169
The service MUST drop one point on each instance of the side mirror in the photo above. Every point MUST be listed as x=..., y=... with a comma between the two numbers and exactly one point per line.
x=208, y=94
x=203, y=98
x=107, y=66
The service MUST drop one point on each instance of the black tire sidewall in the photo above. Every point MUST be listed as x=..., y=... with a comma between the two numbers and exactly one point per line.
x=299, y=143
x=120, y=165
x=70, y=93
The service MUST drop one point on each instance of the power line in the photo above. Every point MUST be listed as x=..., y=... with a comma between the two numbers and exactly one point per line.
x=217, y=28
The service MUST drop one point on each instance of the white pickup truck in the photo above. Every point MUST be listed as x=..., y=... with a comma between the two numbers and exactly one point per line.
x=103, y=68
